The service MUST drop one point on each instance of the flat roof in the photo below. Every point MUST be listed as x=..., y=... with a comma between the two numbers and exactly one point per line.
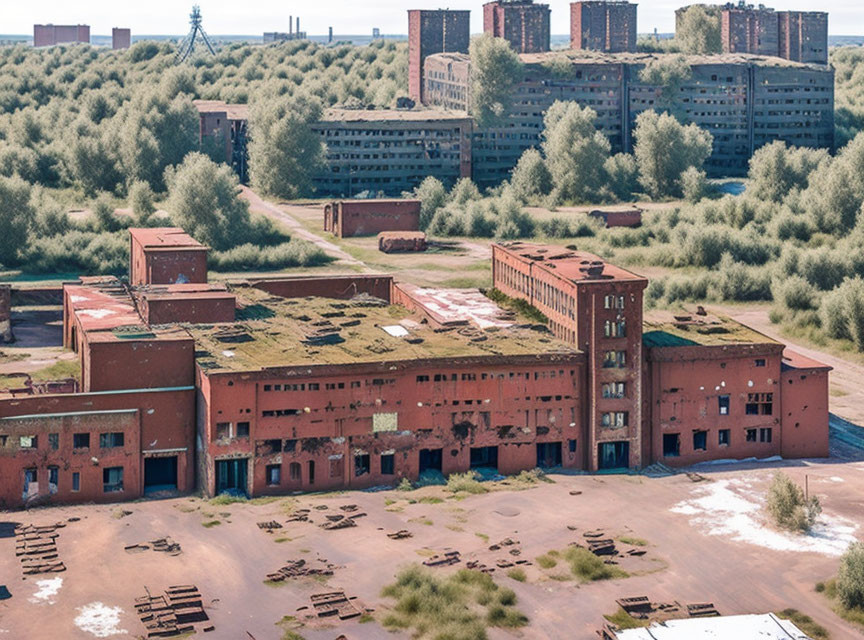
x=273, y=332
x=231, y=111
x=684, y=328
x=794, y=360
x=156, y=238
x=393, y=115
x=745, y=627
x=571, y=264
x=185, y=291
x=101, y=304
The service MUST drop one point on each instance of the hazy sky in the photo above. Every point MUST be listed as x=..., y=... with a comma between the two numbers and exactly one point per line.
x=252, y=17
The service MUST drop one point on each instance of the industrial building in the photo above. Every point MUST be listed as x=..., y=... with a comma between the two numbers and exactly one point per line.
x=348, y=218
x=294, y=33
x=305, y=383
x=522, y=23
x=744, y=101
x=224, y=126
x=603, y=25
x=434, y=31
x=794, y=35
x=391, y=151
x=48, y=35
x=121, y=38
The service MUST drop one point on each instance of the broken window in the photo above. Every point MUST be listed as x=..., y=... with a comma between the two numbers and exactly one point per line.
x=311, y=472
x=81, y=440
x=110, y=440
x=274, y=474
x=28, y=442
x=267, y=447
x=671, y=445
x=485, y=418
x=336, y=467
x=765, y=435
x=3, y=439
x=361, y=464
x=760, y=404
x=53, y=478
x=54, y=441
x=614, y=419
x=572, y=445
x=112, y=479
x=294, y=471
x=223, y=430
x=615, y=329
x=388, y=464
x=242, y=430
x=290, y=446
x=760, y=362
x=615, y=359
x=723, y=405
x=700, y=441
x=723, y=437
x=422, y=378
x=613, y=390
x=751, y=435
x=76, y=481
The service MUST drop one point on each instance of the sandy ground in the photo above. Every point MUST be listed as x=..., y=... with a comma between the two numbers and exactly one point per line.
x=707, y=542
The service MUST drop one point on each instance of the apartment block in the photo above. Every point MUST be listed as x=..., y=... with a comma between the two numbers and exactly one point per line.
x=48, y=35
x=434, y=31
x=522, y=23
x=603, y=25
x=121, y=38
x=801, y=36
x=391, y=151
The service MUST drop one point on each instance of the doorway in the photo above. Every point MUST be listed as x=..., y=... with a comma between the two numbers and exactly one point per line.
x=431, y=459
x=614, y=455
x=231, y=476
x=484, y=458
x=160, y=474
x=548, y=454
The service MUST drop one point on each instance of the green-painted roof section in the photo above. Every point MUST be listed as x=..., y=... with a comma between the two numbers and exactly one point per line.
x=665, y=339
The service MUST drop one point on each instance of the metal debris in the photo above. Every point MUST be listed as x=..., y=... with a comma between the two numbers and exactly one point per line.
x=335, y=603
x=173, y=613
x=269, y=526
x=702, y=610
x=37, y=548
x=443, y=560
x=299, y=569
x=400, y=535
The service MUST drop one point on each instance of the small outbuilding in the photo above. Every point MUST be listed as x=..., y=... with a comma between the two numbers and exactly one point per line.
x=348, y=218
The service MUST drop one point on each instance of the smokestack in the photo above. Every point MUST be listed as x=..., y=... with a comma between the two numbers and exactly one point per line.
x=331, y=35
x=290, y=25
x=298, y=27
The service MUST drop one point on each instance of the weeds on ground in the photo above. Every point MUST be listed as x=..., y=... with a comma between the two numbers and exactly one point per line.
x=482, y=536
x=805, y=623
x=422, y=520
x=430, y=500
x=546, y=561
x=405, y=485
x=517, y=574
x=211, y=523
x=456, y=607
x=532, y=477
x=636, y=542
x=455, y=527
x=465, y=483
x=289, y=624
x=855, y=615
x=588, y=567
x=624, y=620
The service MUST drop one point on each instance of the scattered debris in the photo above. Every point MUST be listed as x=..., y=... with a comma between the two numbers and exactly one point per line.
x=575, y=493
x=696, y=477
x=299, y=569
x=349, y=508
x=301, y=515
x=338, y=522
x=173, y=613
x=702, y=610
x=400, y=535
x=37, y=548
x=161, y=545
x=269, y=526
x=335, y=603
x=443, y=560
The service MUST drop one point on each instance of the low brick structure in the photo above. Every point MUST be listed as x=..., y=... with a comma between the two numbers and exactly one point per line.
x=347, y=218
x=401, y=241
x=166, y=255
x=619, y=217
x=6, y=314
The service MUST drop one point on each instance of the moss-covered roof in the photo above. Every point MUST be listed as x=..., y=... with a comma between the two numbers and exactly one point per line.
x=687, y=329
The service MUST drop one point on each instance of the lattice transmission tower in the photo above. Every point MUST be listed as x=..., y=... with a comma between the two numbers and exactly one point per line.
x=196, y=30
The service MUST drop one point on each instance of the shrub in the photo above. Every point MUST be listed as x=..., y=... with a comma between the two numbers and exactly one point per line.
x=251, y=257
x=467, y=482
x=850, y=577
x=432, y=196
x=588, y=567
x=795, y=293
x=694, y=184
x=788, y=507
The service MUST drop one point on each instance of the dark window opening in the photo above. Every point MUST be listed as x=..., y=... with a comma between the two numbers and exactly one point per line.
x=765, y=435
x=231, y=476
x=700, y=440
x=751, y=435
x=361, y=464
x=388, y=464
x=76, y=481
x=160, y=473
x=671, y=445
x=223, y=430
x=723, y=404
x=242, y=429
x=81, y=440
x=723, y=437
x=484, y=457
x=111, y=440
x=54, y=441
x=294, y=472
x=548, y=454
x=572, y=446
x=430, y=459
x=614, y=455
x=290, y=446
x=274, y=474
x=112, y=479
x=311, y=472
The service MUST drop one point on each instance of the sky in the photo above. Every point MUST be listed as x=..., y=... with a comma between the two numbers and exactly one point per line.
x=355, y=17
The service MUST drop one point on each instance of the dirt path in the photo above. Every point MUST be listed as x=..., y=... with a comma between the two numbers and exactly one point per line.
x=846, y=378
x=259, y=205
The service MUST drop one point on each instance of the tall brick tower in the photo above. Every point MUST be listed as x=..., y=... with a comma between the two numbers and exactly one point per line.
x=748, y=29
x=434, y=31
x=803, y=36
x=603, y=25
x=522, y=23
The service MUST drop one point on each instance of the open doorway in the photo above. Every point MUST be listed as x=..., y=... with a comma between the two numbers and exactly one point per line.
x=484, y=458
x=430, y=460
x=614, y=455
x=548, y=454
x=231, y=476
x=160, y=474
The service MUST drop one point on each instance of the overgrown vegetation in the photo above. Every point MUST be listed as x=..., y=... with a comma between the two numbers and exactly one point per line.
x=846, y=591
x=788, y=507
x=805, y=623
x=456, y=607
x=583, y=565
x=495, y=70
x=467, y=482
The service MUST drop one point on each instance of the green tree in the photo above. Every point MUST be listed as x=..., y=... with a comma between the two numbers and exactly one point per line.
x=622, y=175
x=699, y=30
x=788, y=506
x=203, y=199
x=665, y=149
x=575, y=151
x=284, y=152
x=850, y=577
x=104, y=217
x=668, y=74
x=694, y=184
x=16, y=218
x=432, y=196
x=141, y=200
x=531, y=180
x=495, y=71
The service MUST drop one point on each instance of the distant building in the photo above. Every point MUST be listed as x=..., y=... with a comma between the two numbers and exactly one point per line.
x=294, y=33
x=121, y=38
x=603, y=25
x=225, y=125
x=47, y=35
x=348, y=218
x=801, y=36
x=434, y=31
x=166, y=256
x=376, y=32
x=522, y=23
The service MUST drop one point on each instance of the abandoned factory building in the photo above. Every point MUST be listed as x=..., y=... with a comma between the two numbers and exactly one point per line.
x=304, y=383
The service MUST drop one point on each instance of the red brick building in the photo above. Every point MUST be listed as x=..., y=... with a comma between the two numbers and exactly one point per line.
x=434, y=31
x=47, y=35
x=166, y=255
x=801, y=36
x=603, y=25
x=522, y=23
x=347, y=218
x=121, y=38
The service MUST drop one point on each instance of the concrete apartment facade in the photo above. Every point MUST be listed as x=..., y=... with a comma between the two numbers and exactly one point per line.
x=326, y=382
x=349, y=218
x=392, y=151
x=48, y=35
x=743, y=101
x=121, y=38
x=434, y=31
x=522, y=23
x=603, y=25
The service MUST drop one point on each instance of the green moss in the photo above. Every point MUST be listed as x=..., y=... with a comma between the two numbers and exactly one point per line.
x=624, y=620
x=805, y=623
x=210, y=524
x=60, y=370
x=518, y=305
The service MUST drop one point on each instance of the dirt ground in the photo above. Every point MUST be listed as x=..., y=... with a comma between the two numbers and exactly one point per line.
x=707, y=542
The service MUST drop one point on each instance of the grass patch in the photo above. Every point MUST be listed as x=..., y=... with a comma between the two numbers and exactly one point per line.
x=275, y=583
x=457, y=607
x=281, y=540
x=430, y=500
x=58, y=371
x=455, y=527
x=624, y=620
x=482, y=536
x=404, y=485
x=588, y=567
x=423, y=520
x=211, y=523
x=805, y=623
x=465, y=483
x=829, y=588
x=289, y=626
x=516, y=304
x=517, y=574
x=532, y=477
x=363, y=619
x=636, y=542
x=546, y=561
